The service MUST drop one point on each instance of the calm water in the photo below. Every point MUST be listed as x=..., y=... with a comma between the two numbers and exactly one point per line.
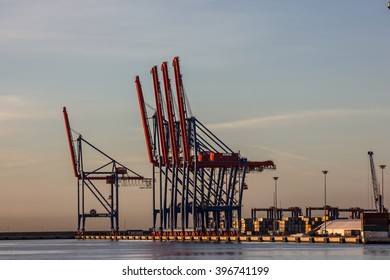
x=124, y=250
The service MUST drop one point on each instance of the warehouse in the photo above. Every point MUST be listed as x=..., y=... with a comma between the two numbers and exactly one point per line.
x=342, y=227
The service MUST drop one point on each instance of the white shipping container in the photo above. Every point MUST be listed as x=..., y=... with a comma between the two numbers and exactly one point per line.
x=375, y=234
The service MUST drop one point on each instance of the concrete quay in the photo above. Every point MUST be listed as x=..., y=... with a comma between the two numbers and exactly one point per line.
x=178, y=238
x=37, y=235
x=241, y=238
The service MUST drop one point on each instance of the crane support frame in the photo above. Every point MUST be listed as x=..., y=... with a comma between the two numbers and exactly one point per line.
x=199, y=188
x=93, y=179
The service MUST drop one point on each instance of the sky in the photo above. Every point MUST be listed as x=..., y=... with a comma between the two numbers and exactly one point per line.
x=303, y=83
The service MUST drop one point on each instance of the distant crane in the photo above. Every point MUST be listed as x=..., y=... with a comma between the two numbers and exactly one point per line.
x=111, y=173
x=377, y=192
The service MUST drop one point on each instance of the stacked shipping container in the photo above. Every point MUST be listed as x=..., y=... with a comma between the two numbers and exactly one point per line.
x=375, y=225
x=286, y=226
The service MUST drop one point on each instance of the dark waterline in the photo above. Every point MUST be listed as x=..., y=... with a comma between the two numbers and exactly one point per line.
x=149, y=250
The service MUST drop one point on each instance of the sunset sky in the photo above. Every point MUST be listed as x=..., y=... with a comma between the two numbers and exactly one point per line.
x=304, y=83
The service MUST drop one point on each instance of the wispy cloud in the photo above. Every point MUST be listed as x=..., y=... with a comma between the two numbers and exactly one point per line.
x=20, y=161
x=13, y=107
x=296, y=116
x=290, y=154
x=298, y=157
x=10, y=99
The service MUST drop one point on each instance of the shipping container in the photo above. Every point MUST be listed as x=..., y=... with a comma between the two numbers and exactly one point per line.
x=110, y=180
x=224, y=156
x=204, y=156
x=375, y=215
x=325, y=218
x=121, y=170
x=375, y=234
x=351, y=232
x=375, y=221
x=375, y=228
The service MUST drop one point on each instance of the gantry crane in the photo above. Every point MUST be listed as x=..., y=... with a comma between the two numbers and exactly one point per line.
x=295, y=212
x=111, y=173
x=376, y=189
x=200, y=180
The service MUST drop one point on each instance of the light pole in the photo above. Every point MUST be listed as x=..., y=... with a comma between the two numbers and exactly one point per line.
x=275, y=203
x=382, y=166
x=325, y=172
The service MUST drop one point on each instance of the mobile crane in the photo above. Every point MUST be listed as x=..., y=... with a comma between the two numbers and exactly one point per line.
x=377, y=192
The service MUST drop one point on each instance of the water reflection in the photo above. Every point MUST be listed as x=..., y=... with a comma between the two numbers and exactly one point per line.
x=377, y=251
x=119, y=250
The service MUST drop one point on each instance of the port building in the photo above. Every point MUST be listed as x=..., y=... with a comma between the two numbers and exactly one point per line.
x=342, y=227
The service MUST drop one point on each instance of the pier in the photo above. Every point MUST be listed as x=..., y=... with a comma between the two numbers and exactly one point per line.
x=196, y=238
x=37, y=235
x=251, y=238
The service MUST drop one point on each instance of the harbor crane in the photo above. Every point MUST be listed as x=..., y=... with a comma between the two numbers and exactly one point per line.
x=93, y=179
x=378, y=198
x=198, y=181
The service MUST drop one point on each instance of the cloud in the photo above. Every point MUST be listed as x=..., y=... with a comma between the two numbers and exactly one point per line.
x=289, y=154
x=13, y=107
x=296, y=116
x=14, y=161
x=298, y=157
x=11, y=99
x=8, y=107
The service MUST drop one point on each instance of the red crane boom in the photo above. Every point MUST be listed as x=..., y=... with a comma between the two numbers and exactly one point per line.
x=182, y=109
x=70, y=143
x=160, y=115
x=145, y=123
x=171, y=112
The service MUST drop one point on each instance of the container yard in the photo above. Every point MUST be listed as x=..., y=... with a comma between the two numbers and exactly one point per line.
x=198, y=184
x=370, y=228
